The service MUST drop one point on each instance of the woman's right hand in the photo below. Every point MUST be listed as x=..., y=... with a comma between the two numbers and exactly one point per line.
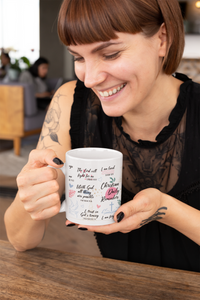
x=41, y=187
x=38, y=188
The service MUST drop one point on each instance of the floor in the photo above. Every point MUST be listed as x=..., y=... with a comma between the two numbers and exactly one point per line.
x=57, y=236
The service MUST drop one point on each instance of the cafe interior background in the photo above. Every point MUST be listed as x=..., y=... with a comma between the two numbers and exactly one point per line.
x=29, y=28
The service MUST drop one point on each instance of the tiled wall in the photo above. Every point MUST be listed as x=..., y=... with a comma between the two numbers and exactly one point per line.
x=190, y=67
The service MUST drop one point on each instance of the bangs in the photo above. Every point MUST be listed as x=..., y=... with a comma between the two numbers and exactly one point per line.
x=86, y=22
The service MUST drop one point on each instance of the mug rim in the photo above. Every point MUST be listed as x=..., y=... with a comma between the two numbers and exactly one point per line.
x=117, y=153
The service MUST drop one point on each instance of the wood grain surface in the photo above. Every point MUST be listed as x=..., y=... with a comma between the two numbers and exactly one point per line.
x=49, y=274
x=11, y=110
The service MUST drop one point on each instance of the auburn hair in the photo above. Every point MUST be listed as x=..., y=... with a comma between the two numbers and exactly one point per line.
x=89, y=21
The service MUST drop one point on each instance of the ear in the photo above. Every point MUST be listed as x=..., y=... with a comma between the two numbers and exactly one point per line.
x=163, y=41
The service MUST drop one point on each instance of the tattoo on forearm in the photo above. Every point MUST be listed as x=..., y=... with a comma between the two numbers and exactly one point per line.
x=157, y=216
x=51, y=124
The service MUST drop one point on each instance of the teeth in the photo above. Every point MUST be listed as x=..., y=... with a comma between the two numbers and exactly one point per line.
x=114, y=91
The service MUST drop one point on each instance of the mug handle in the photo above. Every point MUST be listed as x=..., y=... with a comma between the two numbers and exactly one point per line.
x=63, y=207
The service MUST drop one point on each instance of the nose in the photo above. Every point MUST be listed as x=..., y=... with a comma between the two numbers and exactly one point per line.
x=94, y=74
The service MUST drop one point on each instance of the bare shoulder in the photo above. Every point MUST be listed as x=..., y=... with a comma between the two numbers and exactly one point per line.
x=65, y=94
x=68, y=88
x=55, y=132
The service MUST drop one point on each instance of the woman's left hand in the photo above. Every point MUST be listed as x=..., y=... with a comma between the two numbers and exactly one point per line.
x=146, y=206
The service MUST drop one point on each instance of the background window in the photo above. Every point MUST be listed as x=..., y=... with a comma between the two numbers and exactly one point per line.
x=19, y=28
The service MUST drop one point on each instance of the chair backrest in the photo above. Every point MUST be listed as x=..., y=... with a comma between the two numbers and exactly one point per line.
x=30, y=103
x=51, y=83
x=11, y=111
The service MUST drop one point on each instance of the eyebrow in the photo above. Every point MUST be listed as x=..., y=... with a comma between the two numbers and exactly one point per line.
x=98, y=48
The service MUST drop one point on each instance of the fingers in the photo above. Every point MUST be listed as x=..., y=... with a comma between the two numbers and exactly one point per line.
x=139, y=203
x=39, y=211
x=123, y=221
x=48, y=212
x=105, y=229
x=37, y=184
x=131, y=214
x=37, y=191
x=41, y=201
x=41, y=158
x=39, y=198
x=36, y=176
x=69, y=223
x=125, y=226
x=148, y=200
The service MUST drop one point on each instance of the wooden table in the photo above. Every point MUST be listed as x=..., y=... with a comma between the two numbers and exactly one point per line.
x=50, y=274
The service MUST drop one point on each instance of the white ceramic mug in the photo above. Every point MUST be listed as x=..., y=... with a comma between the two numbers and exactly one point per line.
x=93, y=183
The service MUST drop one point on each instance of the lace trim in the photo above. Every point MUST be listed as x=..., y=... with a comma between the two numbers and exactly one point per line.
x=174, y=118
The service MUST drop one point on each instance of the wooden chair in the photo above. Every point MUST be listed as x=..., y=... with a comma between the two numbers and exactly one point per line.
x=16, y=118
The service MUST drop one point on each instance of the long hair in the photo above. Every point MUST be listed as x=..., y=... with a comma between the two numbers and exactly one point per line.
x=34, y=68
x=85, y=22
x=7, y=56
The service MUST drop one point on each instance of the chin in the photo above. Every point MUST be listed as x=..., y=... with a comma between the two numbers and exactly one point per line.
x=111, y=112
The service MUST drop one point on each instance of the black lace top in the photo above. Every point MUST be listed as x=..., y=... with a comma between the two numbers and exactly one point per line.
x=171, y=164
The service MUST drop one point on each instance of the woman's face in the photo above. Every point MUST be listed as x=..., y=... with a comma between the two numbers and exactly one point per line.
x=4, y=59
x=43, y=70
x=122, y=72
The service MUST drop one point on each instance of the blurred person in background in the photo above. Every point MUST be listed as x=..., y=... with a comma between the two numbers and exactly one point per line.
x=37, y=75
x=5, y=64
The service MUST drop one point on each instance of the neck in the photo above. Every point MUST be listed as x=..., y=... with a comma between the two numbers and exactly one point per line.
x=152, y=116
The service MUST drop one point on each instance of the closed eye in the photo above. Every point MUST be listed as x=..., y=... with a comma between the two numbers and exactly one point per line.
x=112, y=56
x=78, y=59
x=106, y=57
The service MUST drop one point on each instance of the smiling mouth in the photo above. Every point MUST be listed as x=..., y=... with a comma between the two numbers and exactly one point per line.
x=112, y=92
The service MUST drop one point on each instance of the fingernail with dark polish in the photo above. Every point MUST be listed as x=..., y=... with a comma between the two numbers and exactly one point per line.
x=70, y=225
x=58, y=161
x=82, y=228
x=120, y=216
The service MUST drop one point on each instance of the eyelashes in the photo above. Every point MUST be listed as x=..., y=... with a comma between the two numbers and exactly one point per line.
x=78, y=58
x=105, y=57
x=112, y=56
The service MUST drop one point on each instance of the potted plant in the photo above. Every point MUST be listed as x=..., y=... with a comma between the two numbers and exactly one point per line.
x=15, y=67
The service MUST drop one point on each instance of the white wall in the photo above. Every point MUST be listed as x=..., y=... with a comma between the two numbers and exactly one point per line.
x=192, y=46
x=19, y=29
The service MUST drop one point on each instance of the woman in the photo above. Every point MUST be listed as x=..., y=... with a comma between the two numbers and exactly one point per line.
x=36, y=75
x=125, y=98
x=5, y=64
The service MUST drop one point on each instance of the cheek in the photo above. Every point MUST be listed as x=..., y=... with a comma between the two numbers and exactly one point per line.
x=125, y=69
x=45, y=72
x=118, y=71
